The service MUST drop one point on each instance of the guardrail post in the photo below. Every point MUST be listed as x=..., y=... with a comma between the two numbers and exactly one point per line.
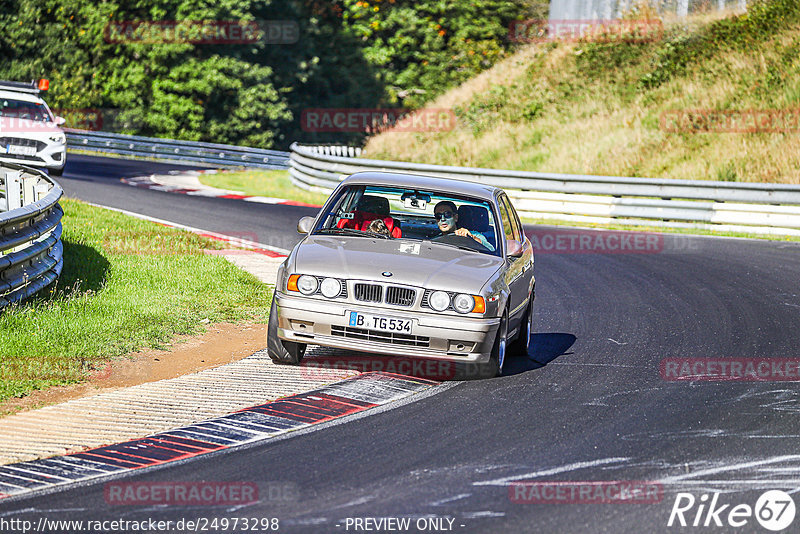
x=13, y=190
x=29, y=190
x=41, y=190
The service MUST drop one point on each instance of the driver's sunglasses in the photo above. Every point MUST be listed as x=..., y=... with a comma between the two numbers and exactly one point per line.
x=443, y=215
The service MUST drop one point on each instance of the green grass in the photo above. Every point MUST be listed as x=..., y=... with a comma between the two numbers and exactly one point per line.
x=127, y=284
x=263, y=183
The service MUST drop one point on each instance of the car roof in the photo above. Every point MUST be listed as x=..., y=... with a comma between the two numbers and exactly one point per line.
x=417, y=181
x=25, y=97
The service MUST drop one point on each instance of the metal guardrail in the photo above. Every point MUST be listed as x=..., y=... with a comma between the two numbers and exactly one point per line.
x=174, y=150
x=723, y=206
x=31, y=253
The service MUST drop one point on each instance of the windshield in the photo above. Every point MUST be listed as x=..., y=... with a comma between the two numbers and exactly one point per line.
x=398, y=213
x=20, y=109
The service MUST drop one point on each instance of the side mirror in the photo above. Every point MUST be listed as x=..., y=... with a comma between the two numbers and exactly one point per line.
x=60, y=121
x=513, y=248
x=305, y=225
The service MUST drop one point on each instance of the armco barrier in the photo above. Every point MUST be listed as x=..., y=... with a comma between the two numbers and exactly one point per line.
x=722, y=206
x=31, y=254
x=174, y=150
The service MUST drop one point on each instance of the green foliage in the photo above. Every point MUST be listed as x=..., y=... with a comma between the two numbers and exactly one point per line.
x=763, y=19
x=425, y=47
x=349, y=54
x=727, y=173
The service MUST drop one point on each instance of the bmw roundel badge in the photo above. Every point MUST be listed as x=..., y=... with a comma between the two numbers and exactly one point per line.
x=387, y=274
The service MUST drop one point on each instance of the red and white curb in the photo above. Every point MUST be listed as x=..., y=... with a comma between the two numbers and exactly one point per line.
x=259, y=423
x=188, y=183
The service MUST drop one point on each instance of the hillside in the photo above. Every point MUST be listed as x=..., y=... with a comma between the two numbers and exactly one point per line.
x=634, y=109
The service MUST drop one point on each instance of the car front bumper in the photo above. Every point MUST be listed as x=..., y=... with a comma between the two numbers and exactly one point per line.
x=52, y=157
x=441, y=337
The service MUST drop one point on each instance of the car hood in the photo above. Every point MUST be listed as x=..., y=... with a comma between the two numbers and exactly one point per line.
x=415, y=263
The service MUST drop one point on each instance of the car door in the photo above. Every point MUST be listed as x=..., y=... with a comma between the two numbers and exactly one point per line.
x=519, y=270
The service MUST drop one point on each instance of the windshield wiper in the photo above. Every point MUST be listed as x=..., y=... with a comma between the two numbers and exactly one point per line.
x=352, y=232
x=452, y=245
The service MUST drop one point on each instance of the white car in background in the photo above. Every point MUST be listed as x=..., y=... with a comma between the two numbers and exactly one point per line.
x=30, y=134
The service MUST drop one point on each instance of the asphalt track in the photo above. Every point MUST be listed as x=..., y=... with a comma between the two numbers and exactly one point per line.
x=589, y=403
x=97, y=180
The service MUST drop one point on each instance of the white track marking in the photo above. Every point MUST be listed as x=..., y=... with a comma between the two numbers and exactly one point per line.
x=553, y=471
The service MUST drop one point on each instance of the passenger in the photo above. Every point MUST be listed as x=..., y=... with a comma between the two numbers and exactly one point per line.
x=377, y=226
x=447, y=219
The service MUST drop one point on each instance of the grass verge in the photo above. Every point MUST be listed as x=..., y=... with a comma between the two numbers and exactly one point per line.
x=127, y=284
x=263, y=183
x=655, y=108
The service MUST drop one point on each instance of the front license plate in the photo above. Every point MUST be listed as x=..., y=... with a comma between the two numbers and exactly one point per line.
x=22, y=150
x=377, y=322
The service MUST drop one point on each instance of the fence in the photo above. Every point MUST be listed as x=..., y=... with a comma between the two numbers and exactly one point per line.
x=31, y=254
x=174, y=150
x=721, y=206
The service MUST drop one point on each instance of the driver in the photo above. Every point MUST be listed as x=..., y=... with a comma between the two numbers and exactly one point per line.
x=447, y=219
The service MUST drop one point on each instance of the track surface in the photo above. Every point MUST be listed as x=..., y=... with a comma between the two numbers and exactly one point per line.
x=97, y=180
x=588, y=404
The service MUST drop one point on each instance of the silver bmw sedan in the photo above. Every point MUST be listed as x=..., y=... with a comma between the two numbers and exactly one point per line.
x=410, y=266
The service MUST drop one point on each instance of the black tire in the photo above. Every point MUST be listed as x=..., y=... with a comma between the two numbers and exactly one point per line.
x=55, y=171
x=493, y=367
x=280, y=351
x=521, y=345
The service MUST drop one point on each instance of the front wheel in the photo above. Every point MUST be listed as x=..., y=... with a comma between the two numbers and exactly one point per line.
x=55, y=171
x=494, y=366
x=280, y=351
x=522, y=344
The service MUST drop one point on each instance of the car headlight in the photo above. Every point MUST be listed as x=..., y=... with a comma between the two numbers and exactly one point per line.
x=463, y=303
x=58, y=139
x=307, y=284
x=331, y=287
x=439, y=300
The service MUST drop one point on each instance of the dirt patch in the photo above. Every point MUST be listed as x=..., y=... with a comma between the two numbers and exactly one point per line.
x=222, y=343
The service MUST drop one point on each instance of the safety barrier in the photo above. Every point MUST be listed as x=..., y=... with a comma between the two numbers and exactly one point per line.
x=31, y=253
x=174, y=150
x=706, y=204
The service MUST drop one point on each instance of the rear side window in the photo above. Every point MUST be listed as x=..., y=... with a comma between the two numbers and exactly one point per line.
x=510, y=223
